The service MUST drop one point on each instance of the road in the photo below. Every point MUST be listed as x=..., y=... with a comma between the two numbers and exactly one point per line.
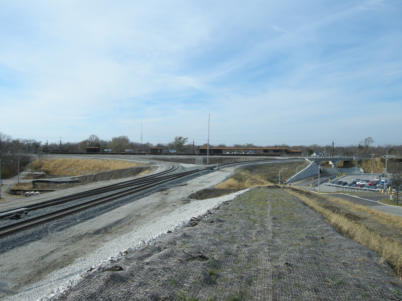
x=369, y=201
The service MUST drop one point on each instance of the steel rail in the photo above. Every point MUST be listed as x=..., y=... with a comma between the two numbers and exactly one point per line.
x=34, y=221
x=87, y=193
x=104, y=189
x=142, y=184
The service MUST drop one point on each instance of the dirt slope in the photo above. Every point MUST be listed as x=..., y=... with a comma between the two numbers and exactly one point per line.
x=264, y=245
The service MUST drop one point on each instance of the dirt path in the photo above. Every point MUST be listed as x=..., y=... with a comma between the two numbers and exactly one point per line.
x=264, y=245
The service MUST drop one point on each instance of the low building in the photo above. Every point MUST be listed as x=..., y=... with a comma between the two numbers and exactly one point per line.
x=266, y=151
x=93, y=149
x=156, y=150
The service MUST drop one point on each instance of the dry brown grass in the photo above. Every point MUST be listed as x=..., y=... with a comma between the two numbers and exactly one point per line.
x=392, y=202
x=260, y=175
x=78, y=167
x=376, y=163
x=23, y=186
x=379, y=231
x=243, y=179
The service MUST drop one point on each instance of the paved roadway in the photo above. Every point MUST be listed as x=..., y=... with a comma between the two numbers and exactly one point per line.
x=370, y=201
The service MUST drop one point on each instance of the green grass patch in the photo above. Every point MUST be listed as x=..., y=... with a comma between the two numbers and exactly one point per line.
x=391, y=202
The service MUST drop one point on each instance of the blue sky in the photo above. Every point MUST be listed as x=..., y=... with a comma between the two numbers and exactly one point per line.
x=269, y=72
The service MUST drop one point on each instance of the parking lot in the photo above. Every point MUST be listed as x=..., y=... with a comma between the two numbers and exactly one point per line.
x=362, y=181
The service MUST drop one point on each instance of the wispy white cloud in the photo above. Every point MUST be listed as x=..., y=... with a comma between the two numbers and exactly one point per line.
x=269, y=72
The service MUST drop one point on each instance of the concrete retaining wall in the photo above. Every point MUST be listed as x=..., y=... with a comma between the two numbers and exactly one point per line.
x=309, y=171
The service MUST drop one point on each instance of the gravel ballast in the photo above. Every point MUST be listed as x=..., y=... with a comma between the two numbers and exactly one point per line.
x=49, y=259
x=264, y=245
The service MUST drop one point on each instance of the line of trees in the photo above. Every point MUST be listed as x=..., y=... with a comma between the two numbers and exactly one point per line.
x=13, y=154
x=180, y=145
x=14, y=150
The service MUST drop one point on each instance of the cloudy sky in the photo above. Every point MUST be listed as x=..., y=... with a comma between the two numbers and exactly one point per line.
x=269, y=72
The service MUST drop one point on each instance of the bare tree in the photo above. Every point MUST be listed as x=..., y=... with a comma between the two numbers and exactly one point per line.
x=179, y=143
x=93, y=140
x=119, y=144
x=368, y=141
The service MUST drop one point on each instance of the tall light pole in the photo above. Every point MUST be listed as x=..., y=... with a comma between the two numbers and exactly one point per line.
x=141, y=137
x=386, y=162
x=279, y=175
x=0, y=179
x=18, y=169
x=209, y=120
x=319, y=164
x=372, y=157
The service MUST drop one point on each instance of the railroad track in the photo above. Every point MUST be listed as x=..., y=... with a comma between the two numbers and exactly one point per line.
x=72, y=197
x=114, y=192
x=59, y=213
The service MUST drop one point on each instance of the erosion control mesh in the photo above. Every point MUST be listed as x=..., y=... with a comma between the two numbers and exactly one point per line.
x=264, y=245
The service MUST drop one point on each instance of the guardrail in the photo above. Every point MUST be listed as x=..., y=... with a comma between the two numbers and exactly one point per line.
x=350, y=188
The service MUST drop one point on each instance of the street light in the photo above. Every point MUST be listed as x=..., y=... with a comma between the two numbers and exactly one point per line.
x=279, y=175
x=1, y=184
x=372, y=157
x=209, y=121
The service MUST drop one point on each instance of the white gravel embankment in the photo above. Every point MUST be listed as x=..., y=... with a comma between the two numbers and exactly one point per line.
x=143, y=220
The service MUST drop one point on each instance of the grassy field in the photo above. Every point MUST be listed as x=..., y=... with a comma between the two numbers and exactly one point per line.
x=78, y=167
x=391, y=202
x=376, y=230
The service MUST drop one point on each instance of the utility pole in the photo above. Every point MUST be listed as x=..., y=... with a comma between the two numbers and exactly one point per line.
x=18, y=167
x=141, y=135
x=372, y=157
x=386, y=162
x=1, y=183
x=209, y=120
x=279, y=177
x=319, y=177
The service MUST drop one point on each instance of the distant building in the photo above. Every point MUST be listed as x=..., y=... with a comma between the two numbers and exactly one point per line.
x=266, y=151
x=93, y=149
x=156, y=150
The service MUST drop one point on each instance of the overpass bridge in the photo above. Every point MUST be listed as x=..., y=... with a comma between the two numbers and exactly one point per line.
x=347, y=160
x=335, y=158
x=313, y=169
